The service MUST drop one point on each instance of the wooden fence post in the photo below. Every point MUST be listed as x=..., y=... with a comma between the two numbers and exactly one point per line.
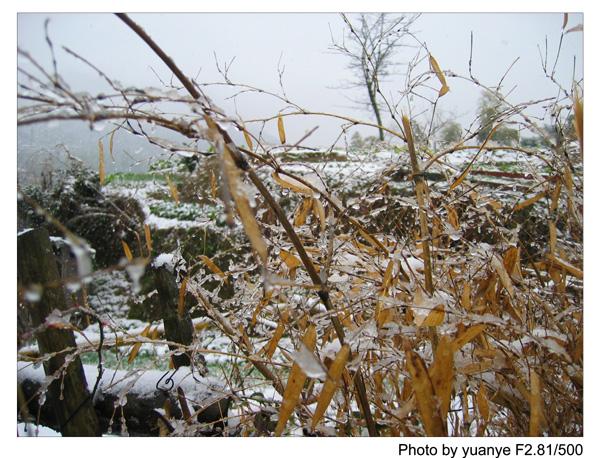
x=37, y=267
x=178, y=328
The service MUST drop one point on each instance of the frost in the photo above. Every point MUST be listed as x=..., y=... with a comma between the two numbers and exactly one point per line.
x=309, y=363
x=34, y=293
x=136, y=271
x=165, y=259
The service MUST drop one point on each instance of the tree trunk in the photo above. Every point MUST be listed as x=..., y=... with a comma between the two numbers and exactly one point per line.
x=68, y=396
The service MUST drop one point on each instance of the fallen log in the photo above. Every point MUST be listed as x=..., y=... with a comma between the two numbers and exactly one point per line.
x=133, y=402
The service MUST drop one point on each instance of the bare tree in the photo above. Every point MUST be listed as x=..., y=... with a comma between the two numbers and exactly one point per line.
x=370, y=45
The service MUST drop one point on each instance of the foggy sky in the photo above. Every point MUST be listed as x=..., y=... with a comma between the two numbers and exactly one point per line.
x=313, y=75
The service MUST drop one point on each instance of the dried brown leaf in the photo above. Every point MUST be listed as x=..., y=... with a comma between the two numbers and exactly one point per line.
x=281, y=129
x=331, y=384
x=442, y=374
x=101, y=169
x=127, y=250
x=295, y=382
x=425, y=394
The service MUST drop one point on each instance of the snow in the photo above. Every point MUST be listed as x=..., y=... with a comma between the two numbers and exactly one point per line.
x=31, y=430
x=141, y=383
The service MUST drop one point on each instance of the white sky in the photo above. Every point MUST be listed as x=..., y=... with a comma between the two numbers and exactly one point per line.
x=313, y=75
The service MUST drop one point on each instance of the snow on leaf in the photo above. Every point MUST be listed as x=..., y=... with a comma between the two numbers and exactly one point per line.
x=309, y=363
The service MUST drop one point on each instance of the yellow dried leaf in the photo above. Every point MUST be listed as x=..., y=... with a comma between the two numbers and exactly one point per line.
x=424, y=392
x=512, y=262
x=181, y=299
x=212, y=266
x=148, y=238
x=292, y=184
x=535, y=405
x=435, y=317
x=291, y=261
x=555, y=195
x=295, y=383
x=503, y=274
x=530, y=201
x=468, y=335
x=101, y=170
x=302, y=212
x=173, y=190
x=243, y=206
x=264, y=301
x=564, y=265
x=387, y=277
x=475, y=368
x=440, y=75
x=452, y=217
x=442, y=374
x=136, y=347
x=482, y=403
x=248, y=139
x=331, y=384
x=127, y=250
x=280, y=129
x=319, y=212
x=552, y=236
x=111, y=144
x=277, y=335
x=465, y=298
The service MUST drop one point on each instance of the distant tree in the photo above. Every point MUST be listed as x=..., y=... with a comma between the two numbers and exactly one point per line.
x=451, y=132
x=370, y=44
x=490, y=110
x=356, y=142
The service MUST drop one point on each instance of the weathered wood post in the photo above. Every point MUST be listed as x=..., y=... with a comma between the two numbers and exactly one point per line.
x=37, y=267
x=178, y=328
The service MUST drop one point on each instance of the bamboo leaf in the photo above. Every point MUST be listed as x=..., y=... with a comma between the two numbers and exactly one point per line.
x=425, y=394
x=295, y=383
x=535, y=405
x=243, y=206
x=291, y=261
x=148, y=238
x=277, y=335
x=302, y=212
x=281, y=129
x=212, y=266
x=331, y=384
x=127, y=251
x=565, y=20
x=101, y=169
x=292, y=185
x=111, y=144
x=136, y=347
x=248, y=139
x=181, y=299
x=435, y=317
x=440, y=75
x=319, y=212
x=503, y=274
x=452, y=217
x=468, y=335
x=482, y=403
x=577, y=28
x=442, y=374
x=530, y=201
